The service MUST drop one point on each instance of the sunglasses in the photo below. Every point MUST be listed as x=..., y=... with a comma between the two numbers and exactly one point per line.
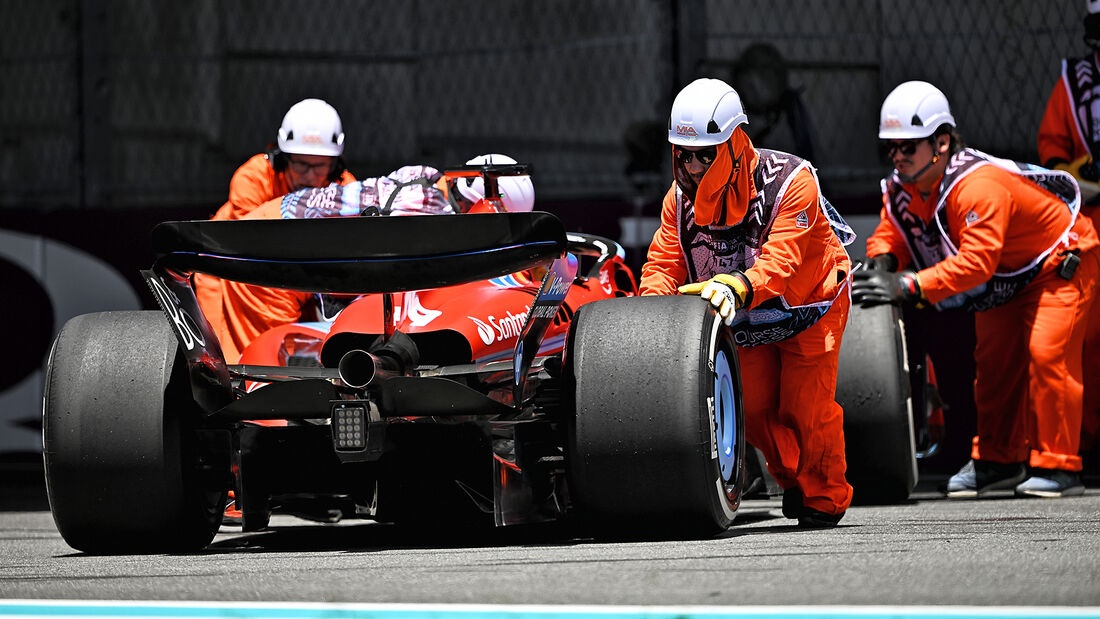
x=303, y=168
x=705, y=156
x=907, y=147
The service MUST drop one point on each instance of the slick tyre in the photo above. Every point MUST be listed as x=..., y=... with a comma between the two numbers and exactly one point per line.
x=124, y=471
x=657, y=443
x=873, y=388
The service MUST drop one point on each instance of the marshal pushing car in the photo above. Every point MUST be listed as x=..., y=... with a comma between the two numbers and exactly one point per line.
x=492, y=369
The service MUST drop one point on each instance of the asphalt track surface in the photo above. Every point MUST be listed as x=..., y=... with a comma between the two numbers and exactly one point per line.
x=990, y=554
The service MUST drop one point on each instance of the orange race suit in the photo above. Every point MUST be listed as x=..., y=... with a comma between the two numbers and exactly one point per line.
x=1069, y=135
x=1000, y=238
x=761, y=212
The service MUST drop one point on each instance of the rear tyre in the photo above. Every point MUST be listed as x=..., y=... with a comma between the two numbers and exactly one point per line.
x=873, y=388
x=124, y=469
x=657, y=439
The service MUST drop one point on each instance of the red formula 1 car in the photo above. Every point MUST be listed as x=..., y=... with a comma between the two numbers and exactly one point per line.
x=494, y=370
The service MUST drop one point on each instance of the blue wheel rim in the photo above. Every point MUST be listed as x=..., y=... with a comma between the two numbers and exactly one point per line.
x=725, y=416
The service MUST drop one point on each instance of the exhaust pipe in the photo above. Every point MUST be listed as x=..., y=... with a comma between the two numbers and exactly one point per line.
x=359, y=368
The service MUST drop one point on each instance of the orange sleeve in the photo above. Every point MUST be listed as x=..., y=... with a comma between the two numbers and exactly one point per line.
x=272, y=209
x=1058, y=135
x=254, y=183
x=789, y=245
x=980, y=208
x=887, y=239
x=665, y=268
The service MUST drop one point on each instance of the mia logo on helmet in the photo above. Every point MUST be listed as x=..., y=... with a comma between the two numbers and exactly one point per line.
x=686, y=130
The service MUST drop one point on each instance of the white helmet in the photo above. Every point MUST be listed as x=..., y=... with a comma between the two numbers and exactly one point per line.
x=913, y=110
x=1092, y=6
x=518, y=192
x=312, y=127
x=705, y=113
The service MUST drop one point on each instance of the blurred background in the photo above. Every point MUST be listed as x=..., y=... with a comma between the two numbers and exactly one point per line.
x=118, y=114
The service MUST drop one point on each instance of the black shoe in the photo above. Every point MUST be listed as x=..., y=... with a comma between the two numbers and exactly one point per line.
x=977, y=477
x=813, y=519
x=1051, y=484
x=792, y=503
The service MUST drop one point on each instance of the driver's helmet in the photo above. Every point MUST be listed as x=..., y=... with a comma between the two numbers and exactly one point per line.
x=913, y=110
x=518, y=192
x=312, y=127
x=705, y=113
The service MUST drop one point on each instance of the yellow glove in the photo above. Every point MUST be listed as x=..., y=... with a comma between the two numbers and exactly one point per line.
x=1089, y=189
x=727, y=292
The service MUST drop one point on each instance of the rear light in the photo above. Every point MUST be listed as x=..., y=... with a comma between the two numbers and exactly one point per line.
x=349, y=427
x=358, y=432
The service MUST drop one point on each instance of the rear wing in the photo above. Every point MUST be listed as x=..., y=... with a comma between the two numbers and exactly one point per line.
x=361, y=254
x=354, y=255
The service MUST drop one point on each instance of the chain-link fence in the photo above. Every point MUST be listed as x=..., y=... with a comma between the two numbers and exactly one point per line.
x=126, y=103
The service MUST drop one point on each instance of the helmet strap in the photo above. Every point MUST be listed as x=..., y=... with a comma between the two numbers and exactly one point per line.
x=338, y=169
x=277, y=159
x=912, y=178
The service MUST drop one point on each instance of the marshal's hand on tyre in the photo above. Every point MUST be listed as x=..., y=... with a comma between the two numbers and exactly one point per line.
x=881, y=262
x=727, y=292
x=870, y=288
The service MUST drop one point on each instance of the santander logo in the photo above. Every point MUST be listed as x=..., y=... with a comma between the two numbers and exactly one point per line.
x=495, y=329
x=485, y=331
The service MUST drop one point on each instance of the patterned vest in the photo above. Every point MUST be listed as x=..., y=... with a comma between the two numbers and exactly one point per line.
x=1081, y=77
x=710, y=250
x=930, y=243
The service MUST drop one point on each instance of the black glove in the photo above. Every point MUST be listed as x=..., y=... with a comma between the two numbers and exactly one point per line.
x=881, y=262
x=871, y=288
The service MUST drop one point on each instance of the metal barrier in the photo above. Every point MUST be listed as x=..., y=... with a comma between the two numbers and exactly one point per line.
x=124, y=103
